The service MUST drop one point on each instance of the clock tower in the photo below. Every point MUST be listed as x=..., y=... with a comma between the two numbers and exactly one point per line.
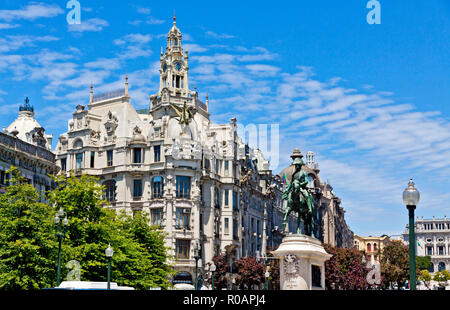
x=174, y=65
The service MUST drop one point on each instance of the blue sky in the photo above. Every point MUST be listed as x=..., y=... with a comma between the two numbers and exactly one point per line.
x=372, y=101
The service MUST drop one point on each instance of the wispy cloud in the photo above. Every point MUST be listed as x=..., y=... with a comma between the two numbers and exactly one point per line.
x=218, y=36
x=31, y=12
x=93, y=24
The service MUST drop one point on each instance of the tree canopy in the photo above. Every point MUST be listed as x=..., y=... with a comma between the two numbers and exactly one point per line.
x=29, y=248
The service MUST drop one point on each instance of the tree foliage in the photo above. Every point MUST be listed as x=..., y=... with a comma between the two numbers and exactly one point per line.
x=220, y=275
x=425, y=276
x=250, y=272
x=27, y=245
x=423, y=262
x=442, y=276
x=139, y=258
x=29, y=248
x=395, y=263
x=344, y=270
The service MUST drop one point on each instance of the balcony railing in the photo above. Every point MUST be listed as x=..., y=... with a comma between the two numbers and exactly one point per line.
x=28, y=148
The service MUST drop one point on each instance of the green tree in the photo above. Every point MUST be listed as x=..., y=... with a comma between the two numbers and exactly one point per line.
x=395, y=263
x=425, y=276
x=442, y=276
x=28, y=248
x=423, y=262
x=139, y=254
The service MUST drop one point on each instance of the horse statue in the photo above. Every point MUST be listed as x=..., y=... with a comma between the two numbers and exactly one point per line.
x=298, y=198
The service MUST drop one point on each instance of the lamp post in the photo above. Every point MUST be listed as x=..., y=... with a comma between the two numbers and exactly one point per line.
x=212, y=268
x=364, y=261
x=109, y=253
x=196, y=257
x=60, y=233
x=411, y=198
x=266, y=284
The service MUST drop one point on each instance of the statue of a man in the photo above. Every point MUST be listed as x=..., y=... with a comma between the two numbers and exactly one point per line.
x=298, y=197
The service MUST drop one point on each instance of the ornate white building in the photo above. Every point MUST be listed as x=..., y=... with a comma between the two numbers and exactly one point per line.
x=198, y=181
x=432, y=239
x=25, y=145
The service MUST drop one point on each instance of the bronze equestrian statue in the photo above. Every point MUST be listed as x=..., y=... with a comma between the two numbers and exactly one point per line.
x=298, y=197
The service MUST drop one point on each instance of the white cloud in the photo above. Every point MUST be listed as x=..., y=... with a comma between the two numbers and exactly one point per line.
x=219, y=36
x=8, y=26
x=31, y=12
x=93, y=24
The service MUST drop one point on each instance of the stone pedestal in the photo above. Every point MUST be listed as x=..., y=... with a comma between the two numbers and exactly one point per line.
x=302, y=263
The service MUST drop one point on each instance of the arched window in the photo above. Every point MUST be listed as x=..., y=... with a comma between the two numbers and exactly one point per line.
x=374, y=246
x=441, y=266
x=110, y=190
x=310, y=181
x=78, y=144
x=431, y=269
x=369, y=247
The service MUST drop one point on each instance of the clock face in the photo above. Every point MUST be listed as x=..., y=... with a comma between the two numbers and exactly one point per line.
x=178, y=66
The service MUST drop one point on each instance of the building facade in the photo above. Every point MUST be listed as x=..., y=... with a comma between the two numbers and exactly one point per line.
x=196, y=180
x=432, y=239
x=25, y=145
x=371, y=246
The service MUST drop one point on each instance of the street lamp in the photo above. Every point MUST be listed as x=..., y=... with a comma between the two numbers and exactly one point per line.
x=266, y=284
x=60, y=233
x=109, y=253
x=196, y=257
x=411, y=198
x=212, y=268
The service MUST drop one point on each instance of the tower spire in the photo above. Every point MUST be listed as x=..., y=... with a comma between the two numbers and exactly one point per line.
x=91, y=96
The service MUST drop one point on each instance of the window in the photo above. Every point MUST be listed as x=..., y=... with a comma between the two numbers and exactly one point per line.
x=316, y=276
x=217, y=166
x=369, y=247
x=79, y=160
x=137, y=188
x=156, y=216
x=431, y=269
x=310, y=181
x=110, y=190
x=92, y=159
x=235, y=201
x=137, y=158
x=109, y=158
x=157, y=187
x=375, y=247
x=226, y=226
x=235, y=229
x=441, y=266
x=226, y=167
x=227, y=202
x=216, y=226
x=440, y=250
x=216, y=198
x=182, y=218
x=182, y=248
x=157, y=152
x=63, y=164
x=429, y=250
x=183, y=186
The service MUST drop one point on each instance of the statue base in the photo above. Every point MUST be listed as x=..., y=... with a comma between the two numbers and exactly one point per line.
x=302, y=263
